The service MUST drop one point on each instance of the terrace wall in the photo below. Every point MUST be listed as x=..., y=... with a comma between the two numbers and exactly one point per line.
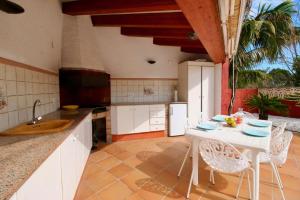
x=241, y=94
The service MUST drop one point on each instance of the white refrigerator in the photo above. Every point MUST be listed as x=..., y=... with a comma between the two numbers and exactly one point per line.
x=177, y=118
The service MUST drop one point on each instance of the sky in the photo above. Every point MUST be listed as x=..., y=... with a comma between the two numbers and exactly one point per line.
x=255, y=4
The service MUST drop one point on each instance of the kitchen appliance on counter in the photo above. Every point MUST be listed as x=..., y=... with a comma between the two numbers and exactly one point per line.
x=177, y=118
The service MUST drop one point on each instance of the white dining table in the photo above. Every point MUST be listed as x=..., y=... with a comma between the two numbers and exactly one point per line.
x=236, y=137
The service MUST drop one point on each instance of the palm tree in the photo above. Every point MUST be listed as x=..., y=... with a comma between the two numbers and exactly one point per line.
x=264, y=37
x=253, y=78
x=296, y=69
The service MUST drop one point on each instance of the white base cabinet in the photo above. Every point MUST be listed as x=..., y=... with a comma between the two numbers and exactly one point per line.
x=45, y=182
x=58, y=177
x=132, y=119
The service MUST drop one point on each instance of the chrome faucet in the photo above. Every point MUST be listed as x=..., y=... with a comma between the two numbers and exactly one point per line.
x=35, y=119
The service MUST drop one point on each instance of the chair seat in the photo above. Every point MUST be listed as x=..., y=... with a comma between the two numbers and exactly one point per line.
x=263, y=157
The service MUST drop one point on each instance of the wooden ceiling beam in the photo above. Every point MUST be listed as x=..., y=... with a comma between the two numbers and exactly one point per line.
x=177, y=42
x=193, y=50
x=157, y=32
x=145, y=20
x=94, y=7
x=204, y=19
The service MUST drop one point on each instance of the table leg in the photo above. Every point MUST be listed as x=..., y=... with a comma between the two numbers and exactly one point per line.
x=255, y=163
x=195, y=145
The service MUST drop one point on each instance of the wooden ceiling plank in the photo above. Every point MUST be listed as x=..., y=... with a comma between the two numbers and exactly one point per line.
x=93, y=7
x=146, y=20
x=177, y=42
x=204, y=19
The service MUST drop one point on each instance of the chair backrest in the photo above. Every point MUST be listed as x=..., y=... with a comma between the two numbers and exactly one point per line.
x=247, y=115
x=280, y=147
x=222, y=156
x=278, y=130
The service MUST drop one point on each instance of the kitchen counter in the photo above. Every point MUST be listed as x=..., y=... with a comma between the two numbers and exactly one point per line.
x=21, y=155
x=143, y=103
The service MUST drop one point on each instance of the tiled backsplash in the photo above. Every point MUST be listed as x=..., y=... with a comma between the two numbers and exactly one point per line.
x=19, y=88
x=142, y=90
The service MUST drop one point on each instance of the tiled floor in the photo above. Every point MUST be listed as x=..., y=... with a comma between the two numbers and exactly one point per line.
x=146, y=170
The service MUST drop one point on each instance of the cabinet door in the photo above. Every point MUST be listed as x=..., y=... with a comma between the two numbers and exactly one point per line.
x=45, y=182
x=141, y=119
x=208, y=88
x=194, y=94
x=88, y=131
x=125, y=122
x=68, y=167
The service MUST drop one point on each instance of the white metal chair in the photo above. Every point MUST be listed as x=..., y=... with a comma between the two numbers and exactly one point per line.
x=187, y=127
x=246, y=114
x=277, y=157
x=278, y=130
x=223, y=157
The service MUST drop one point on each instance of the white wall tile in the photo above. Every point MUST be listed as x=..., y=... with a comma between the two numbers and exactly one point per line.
x=20, y=74
x=29, y=101
x=13, y=118
x=28, y=75
x=113, y=82
x=3, y=110
x=21, y=102
x=133, y=90
x=2, y=88
x=2, y=71
x=22, y=115
x=28, y=88
x=35, y=77
x=4, y=121
x=10, y=73
x=12, y=103
x=11, y=88
x=21, y=88
x=29, y=113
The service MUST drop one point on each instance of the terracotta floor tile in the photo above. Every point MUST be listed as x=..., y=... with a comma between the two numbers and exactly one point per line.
x=133, y=161
x=153, y=190
x=124, y=155
x=117, y=191
x=120, y=170
x=100, y=180
x=108, y=163
x=98, y=156
x=135, y=180
x=148, y=171
x=114, y=149
x=95, y=196
x=173, y=195
x=149, y=168
x=134, y=196
x=167, y=179
x=83, y=191
x=90, y=169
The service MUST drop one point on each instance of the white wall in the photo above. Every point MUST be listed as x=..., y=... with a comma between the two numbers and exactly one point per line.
x=80, y=47
x=33, y=37
x=125, y=57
